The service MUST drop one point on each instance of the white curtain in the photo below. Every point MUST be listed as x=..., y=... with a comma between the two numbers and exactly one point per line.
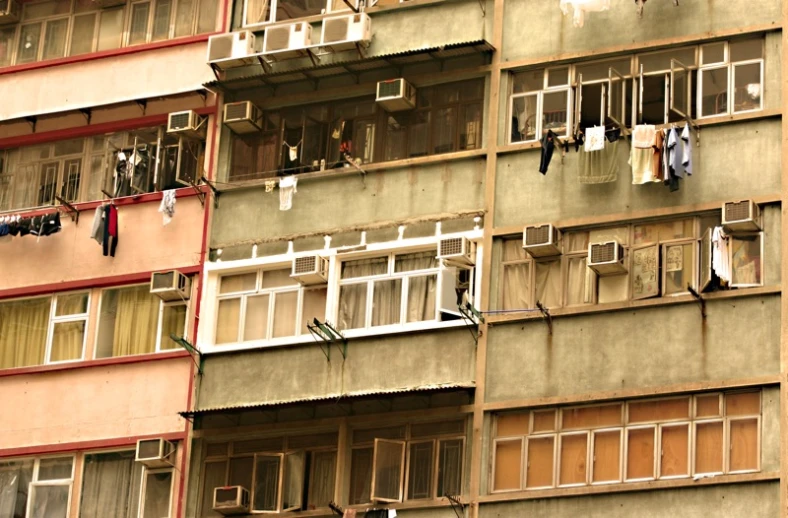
x=14, y=480
x=110, y=486
x=548, y=283
x=321, y=485
x=421, y=289
x=576, y=281
x=516, y=282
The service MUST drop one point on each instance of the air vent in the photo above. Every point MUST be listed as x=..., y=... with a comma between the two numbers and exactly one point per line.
x=170, y=286
x=231, y=500
x=311, y=269
x=457, y=252
x=541, y=240
x=243, y=117
x=346, y=32
x=232, y=50
x=396, y=95
x=277, y=38
x=741, y=216
x=606, y=258
x=155, y=453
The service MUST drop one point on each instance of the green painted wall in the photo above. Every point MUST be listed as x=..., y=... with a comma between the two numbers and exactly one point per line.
x=636, y=348
x=381, y=363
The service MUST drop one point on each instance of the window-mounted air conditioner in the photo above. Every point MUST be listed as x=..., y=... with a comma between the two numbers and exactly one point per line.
x=170, y=286
x=230, y=500
x=541, y=240
x=606, y=258
x=345, y=32
x=311, y=269
x=287, y=41
x=458, y=252
x=232, y=49
x=186, y=123
x=741, y=216
x=396, y=95
x=243, y=117
x=155, y=453
x=10, y=11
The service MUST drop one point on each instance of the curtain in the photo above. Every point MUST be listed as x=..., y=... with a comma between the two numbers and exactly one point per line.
x=173, y=321
x=516, y=285
x=14, y=480
x=353, y=297
x=314, y=307
x=227, y=320
x=68, y=337
x=110, y=486
x=135, y=316
x=576, y=281
x=386, y=302
x=23, y=332
x=421, y=289
x=321, y=484
x=285, y=310
x=548, y=283
x=158, y=487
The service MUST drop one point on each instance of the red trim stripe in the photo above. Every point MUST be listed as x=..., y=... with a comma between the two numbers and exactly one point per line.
x=102, y=362
x=70, y=447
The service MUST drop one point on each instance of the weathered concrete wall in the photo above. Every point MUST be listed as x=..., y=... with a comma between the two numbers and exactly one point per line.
x=534, y=28
x=728, y=501
x=382, y=363
x=638, y=348
x=732, y=162
x=325, y=203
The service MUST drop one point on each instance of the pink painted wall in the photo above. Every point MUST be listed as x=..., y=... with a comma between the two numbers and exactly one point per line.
x=71, y=255
x=94, y=403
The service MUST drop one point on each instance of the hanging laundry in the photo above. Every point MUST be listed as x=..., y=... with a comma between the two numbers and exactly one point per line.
x=686, y=150
x=595, y=139
x=269, y=185
x=110, y=239
x=656, y=156
x=720, y=255
x=97, y=229
x=640, y=4
x=167, y=206
x=643, y=136
x=287, y=187
x=581, y=7
x=599, y=166
x=548, y=145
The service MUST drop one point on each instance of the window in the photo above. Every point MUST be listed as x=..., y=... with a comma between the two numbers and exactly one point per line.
x=264, y=11
x=447, y=118
x=419, y=461
x=655, y=89
x=540, y=102
x=397, y=289
x=53, y=29
x=662, y=258
x=632, y=441
x=264, y=305
x=43, y=330
x=731, y=77
x=111, y=484
x=604, y=93
x=132, y=321
x=36, y=487
x=79, y=169
x=294, y=473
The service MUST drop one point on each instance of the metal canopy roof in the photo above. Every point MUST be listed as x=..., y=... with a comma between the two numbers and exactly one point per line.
x=332, y=398
x=352, y=67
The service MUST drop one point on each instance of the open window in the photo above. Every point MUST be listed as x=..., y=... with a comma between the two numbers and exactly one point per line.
x=616, y=98
x=680, y=89
x=746, y=260
x=388, y=469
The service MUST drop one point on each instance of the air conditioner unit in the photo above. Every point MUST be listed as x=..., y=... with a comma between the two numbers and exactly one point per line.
x=230, y=500
x=155, y=453
x=396, y=95
x=170, y=286
x=287, y=41
x=232, y=49
x=741, y=216
x=243, y=117
x=542, y=240
x=186, y=123
x=606, y=258
x=345, y=32
x=311, y=269
x=10, y=11
x=457, y=252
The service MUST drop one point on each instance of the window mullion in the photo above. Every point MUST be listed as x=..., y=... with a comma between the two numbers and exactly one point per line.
x=269, y=332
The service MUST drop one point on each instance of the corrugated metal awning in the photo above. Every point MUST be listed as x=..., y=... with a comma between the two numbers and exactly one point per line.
x=334, y=398
x=352, y=66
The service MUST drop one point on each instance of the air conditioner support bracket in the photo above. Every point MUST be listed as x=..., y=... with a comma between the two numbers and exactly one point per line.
x=328, y=334
x=360, y=50
x=72, y=211
x=88, y=113
x=265, y=64
x=216, y=192
x=456, y=506
x=32, y=121
x=200, y=194
x=143, y=104
x=216, y=71
x=484, y=9
x=313, y=57
x=546, y=316
x=699, y=298
x=336, y=509
x=472, y=318
x=353, y=8
x=191, y=349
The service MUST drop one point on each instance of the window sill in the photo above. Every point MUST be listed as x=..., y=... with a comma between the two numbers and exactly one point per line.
x=519, y=316
x=367, y=168
x=624, y=487
x=186, y=40
x=349, y=334
x=103, y=362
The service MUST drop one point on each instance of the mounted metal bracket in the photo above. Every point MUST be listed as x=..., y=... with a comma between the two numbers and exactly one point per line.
x=546, y=316
x=88, y=113
x=456, y=506
x=328, y=334
x=72, y=211
x=143, y=104
x=472, y=317
x=336, y=509
x=699, y=298
x=32, y=120
x=191, y=349
x=216, y=192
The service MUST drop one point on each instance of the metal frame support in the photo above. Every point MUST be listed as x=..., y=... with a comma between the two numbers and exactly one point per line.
x=216, y=73
x=456, y=506
x=546, y=316
x=699, y=298
x=32, y=120
x=88, y=113
x=191, y=349
x=72, y=211
x=329, y=335
x=216, y=192
x=336, y=509
x=473, y=317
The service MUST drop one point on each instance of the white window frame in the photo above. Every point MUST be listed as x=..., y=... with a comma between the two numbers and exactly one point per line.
x=655, y=458
x=539, y=94
x=272, y=7
x=144, y=490
x=592, y=446
x=162, y=306
x=524, y=466
x=561, y=435
x=523, y=457
x=731, y=67
x=76, y=317
x=48, y=483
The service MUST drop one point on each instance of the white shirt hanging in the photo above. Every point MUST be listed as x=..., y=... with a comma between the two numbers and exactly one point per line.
x=581, y=7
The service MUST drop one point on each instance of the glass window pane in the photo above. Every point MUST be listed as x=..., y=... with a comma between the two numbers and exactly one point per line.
x=450, y=468
x=714, y=91
x=55, y=468
x=744, y=403
x=746, y=261
x=747, y=88
x=138, y=27
x=420, y=463
x=7, y=45
x=293, y=483
x=292, y=9
x=679, y=264
x=554, y=112
x=227, y=321
x=184, y=16
x=352, y=306
x=607, y=457
x=660, y=61
x=285, y=308
x=72, y=304
x=29, y=39
x=110, y=485
x=574, y=453
x=516, y=286
x=23, y=332
x=173, y=322
x=674, y=459
x=548, y=283
x=539, y=470
x=365, y=267
x=256, y=322
x=67, y=340
x=266, y=485
x=360, y=475
x=640, y=453
x=157, y=494
x=471, y=126
x=15, y=478
x=600, y=70
x=55, y=39
x=656, y=232
x=417, y=261
x=524, y=112
x=444, y=130
x=396, y=135
x=49, y=501
x=278, y=278
x=256, y=11
x=419, y=134
x=388, y=460
x=314, y=307
x=241, y=469
x=557, y=76
x=161, y=20
x=528, y=81
x=45, y=9
x=238, y=283
x=110, y=29
x=82, y=34
x=206, y=21
x=213, y=476
x=508, y=465
x=713, y=53
x=128, y=322
x=386, y=302
x=747, y=49
x=72, y=172
x=744, y=445
x=421, y=298
x=322, y=478
x=577, y=285
x=708, y=447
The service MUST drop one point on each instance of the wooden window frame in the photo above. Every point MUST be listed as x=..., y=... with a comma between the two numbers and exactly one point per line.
x=594, y=433
x=397, y=442
x=524, y=463
x=561, y=435
x=654, y=461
